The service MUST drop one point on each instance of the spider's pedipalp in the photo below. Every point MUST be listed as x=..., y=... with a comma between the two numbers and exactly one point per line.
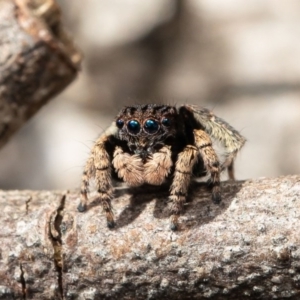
x=210, y=160
x=181, y=181
x=218, y=129
x=159, y=166
x=128, y=167
x=98, y=166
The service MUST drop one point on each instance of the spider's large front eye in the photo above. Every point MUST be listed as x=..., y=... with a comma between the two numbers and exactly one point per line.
x=134, y=126
x=120, y=123
x=151, y=126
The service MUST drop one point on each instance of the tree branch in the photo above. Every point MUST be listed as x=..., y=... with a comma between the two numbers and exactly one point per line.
x=249, y=246
x=37, y=60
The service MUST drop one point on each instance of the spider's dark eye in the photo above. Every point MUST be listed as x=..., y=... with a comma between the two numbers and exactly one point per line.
x=134, y=126
x=120, y=123
x=166, y=122
x=151, y=126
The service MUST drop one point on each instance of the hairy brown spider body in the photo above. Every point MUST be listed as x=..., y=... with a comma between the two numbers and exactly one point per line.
x=147, y=144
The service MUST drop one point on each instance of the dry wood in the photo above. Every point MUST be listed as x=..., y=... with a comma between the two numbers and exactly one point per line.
x=247, y=247
x=37, y=60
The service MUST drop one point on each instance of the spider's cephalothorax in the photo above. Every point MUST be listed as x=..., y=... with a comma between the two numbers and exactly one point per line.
x=147, y=144
x=146, y=128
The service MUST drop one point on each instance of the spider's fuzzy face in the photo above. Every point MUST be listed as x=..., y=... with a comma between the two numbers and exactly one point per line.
x=145, y=128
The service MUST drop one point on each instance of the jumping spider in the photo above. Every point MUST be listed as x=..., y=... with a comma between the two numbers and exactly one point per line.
x=147, y=144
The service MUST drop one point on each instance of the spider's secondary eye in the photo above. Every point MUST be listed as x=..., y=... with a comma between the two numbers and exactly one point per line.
x=151, y=126
x=166, y=122
x=120, y=123
x=134, y=126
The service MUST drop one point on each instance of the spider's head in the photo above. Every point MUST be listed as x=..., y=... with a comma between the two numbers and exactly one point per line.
x=146, y=127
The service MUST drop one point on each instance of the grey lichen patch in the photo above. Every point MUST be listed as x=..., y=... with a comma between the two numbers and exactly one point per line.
x=258, y=289
x=232, y=253
x=253, y=276
x=164, y=283
x=183, y=272
x=296, y=254
x=267, y=270
x=296, y=278
x=247, y=293
x=210, y=292
x=88, y=294
x=261, y=227
x=281, y=253
x=6, y=292
x=279, y=239
x=181, y=283
x=277, y=279
x=287, y=293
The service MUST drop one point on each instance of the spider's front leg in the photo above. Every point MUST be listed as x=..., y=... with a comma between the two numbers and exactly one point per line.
x=182, y=177
x=211, y=162
x=99, y=167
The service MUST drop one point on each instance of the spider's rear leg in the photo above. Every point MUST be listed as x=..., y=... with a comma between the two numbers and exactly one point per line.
x=230, y=139
x=182, y=177
x=211, y=162
x=230, y=170
x=89, y=171
x=229, y=164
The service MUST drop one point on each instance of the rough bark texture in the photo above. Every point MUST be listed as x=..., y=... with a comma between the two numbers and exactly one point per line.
x=37, y=60
x=247, y=247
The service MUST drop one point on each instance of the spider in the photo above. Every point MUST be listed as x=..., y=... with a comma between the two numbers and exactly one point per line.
x=147, y=144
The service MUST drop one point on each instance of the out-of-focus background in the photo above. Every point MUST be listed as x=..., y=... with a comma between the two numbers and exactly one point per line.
x=239, y=58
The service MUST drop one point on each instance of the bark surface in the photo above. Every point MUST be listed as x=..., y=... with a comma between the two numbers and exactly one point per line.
x=37, y=60
x=246, y=247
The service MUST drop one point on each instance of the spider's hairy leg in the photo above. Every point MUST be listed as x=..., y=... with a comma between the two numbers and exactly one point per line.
x=218, y=129
x=129, y=167
x=211, y=162
x=230, y=169
x=229, y=163
x=89, y=172
x=159, y=166
x=99, y=167
x=182, y=177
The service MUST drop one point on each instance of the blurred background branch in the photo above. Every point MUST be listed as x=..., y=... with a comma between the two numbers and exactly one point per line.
x=239, y=59
x=37, y=60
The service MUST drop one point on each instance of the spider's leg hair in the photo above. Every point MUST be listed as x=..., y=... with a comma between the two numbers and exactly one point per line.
x=218, y=129
x=210, y=160
x=181, y=181
x=98, y=166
